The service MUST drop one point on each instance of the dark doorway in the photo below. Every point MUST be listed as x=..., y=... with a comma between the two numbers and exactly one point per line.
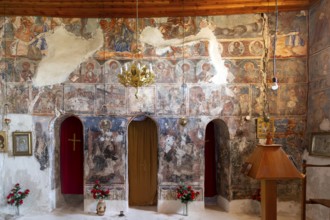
x=142, y=162
x=72, y=156
x=210, y=161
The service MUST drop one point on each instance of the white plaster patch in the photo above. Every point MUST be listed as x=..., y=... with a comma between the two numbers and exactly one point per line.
x=65, y=52
x=154, y=37
x=24, y=170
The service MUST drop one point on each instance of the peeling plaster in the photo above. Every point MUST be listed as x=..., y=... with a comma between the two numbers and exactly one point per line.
x=154, y=37
x=65, y=52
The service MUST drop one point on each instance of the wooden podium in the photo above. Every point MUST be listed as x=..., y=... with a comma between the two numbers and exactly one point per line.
x=270, y=163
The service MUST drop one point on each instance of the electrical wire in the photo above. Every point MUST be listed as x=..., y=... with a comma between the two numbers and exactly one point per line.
x=275, y=39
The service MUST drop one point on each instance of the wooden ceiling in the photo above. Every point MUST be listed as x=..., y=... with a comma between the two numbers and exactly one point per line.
x=147, y=8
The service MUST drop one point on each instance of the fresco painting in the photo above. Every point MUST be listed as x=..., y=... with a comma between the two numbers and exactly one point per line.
x=106, y=149
x=165, y=72
x=203, y=100
x=25, y=70
x=248, y=71
x=48, y=100
x=292, y=38
x=91, y=72
x=181, y=150
x=186, y=71
x=79, y=98
x=171, y=100
x=288, y=70
x=141, y=100
x=237, y=26
x=111, y=70
x=205, y=71
x=112, y=97
x=41, y=148
x=319, y=32
x=258, y=100
x=7, y=69
x=290, y=100
x=18, y=95
x=320, y=65
x=318, y=114
x=243, y=48
x=234, y=100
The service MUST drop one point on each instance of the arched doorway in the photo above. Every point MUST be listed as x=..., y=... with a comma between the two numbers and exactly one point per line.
x=217, y=162
x=210, y=164
x=71, y=156
x=142, y=161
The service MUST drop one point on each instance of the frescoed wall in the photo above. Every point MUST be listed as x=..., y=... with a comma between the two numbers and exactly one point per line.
x=184, y=87
x=318, y=117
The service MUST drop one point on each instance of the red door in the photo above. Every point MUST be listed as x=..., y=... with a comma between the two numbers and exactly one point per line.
x=72, y=156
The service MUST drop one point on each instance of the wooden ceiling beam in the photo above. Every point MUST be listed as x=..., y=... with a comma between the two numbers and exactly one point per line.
x=155, y=8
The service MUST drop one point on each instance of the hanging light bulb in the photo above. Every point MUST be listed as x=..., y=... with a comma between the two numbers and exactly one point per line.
x=274, y=85
x=274, y=79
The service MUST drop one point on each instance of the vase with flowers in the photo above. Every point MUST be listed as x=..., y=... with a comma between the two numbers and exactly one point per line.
x=186, y=194
x=100, y=194
x=257, y=197
x=16, y=196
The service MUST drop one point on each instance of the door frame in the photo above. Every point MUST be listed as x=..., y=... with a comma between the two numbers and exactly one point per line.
x=222, y=192
x=127, y=152
x=55, y=175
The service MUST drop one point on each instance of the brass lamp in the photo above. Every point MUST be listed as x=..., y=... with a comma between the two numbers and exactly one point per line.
x=138, y=74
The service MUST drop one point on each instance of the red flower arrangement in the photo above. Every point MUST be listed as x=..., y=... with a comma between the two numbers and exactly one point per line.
x=186, y=193
x=256, y=195
x=16, y=196
x=98, y=192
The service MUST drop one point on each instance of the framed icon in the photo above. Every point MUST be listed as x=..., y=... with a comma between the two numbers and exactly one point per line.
x=22, y=143
x=3, y=142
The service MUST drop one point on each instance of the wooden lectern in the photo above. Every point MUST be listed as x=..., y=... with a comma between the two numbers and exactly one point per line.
x=270, y=163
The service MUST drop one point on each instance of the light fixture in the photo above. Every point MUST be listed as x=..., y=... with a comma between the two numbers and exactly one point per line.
x=274, y=79
x=183, y=120
x=137, y=74
x=274, y=85
x=6, y=120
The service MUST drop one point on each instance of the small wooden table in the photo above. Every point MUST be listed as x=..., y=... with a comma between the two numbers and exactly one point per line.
x=269, y=163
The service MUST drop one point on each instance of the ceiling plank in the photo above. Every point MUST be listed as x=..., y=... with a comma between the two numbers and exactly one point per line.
x=147, y=8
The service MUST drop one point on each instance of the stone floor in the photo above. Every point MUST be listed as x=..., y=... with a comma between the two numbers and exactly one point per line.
x=135, y=213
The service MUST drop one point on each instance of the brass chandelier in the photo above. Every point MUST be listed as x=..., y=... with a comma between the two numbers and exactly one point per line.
x=137, y=74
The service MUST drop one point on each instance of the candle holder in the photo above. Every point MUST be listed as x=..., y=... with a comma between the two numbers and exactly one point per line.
x=7, y=121
x=183, y=121
x=121, y=214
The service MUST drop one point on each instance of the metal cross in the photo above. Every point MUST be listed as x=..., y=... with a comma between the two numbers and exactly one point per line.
x=74, y=140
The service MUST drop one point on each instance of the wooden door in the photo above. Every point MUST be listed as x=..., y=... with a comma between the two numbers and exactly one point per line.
x=72, y=156
x=142, y=162
x=210, y=161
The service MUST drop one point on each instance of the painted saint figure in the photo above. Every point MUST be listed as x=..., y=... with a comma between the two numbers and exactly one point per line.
x=90, y=76
x=26, y=74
